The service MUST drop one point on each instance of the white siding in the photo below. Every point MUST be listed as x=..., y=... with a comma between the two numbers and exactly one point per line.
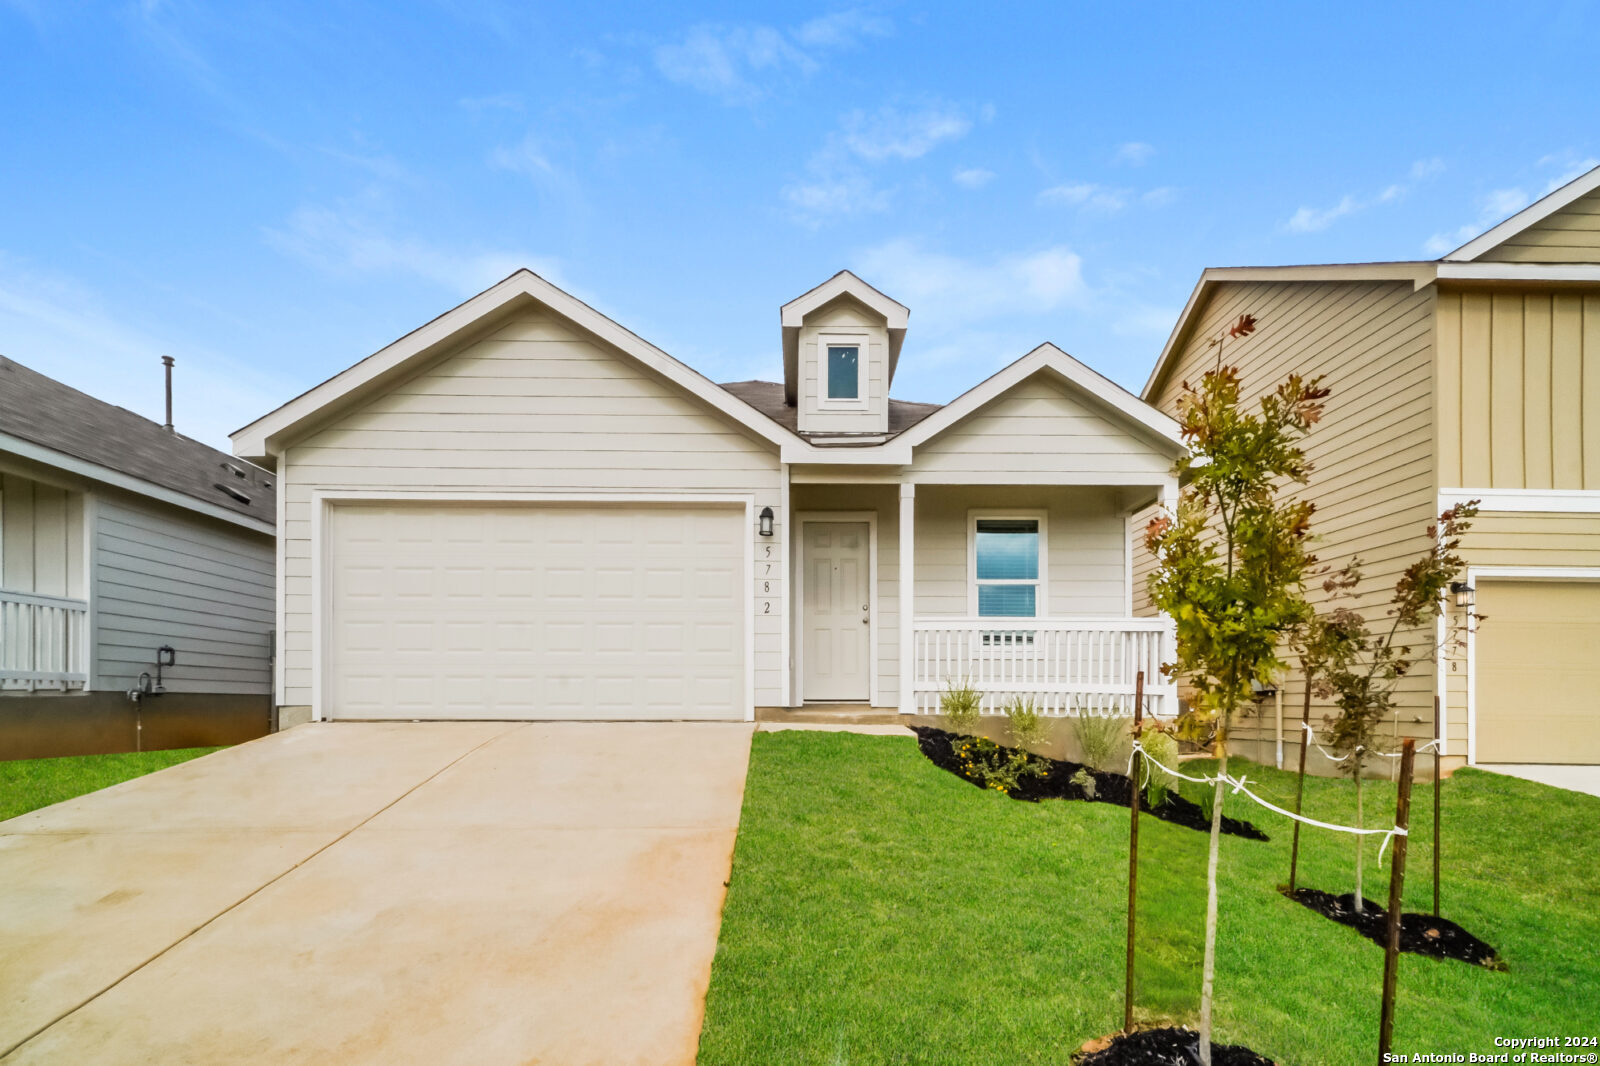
x=534, y=406
x=1038, y=431
x=846, y=315
x=41, y=538
x=203, y=587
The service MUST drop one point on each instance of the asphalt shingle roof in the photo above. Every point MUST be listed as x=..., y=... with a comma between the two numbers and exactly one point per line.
x=767, y=397
x=45, y=412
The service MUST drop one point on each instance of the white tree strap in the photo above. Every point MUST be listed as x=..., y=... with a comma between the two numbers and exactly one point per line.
x=1238, y=784
x=1311, y=738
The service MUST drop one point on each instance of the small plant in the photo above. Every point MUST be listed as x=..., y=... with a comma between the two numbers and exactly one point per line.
x=1027, y=724
x=962, y=706
x=1098, y=738
x=994, y=767
x=1160, y=746
x=1084, y=779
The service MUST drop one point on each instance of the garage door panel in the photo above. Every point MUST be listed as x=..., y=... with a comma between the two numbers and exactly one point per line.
x=536, y=611
x=1536, y=675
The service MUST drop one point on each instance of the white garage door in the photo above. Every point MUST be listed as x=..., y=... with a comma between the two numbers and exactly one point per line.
x=536, y=611
x=1537, y=676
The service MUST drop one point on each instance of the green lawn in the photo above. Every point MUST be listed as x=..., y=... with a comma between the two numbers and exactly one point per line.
x=883, y=911
x=28, y=784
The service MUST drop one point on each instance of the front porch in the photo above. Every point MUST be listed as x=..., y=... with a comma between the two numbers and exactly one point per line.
x=1023, y=592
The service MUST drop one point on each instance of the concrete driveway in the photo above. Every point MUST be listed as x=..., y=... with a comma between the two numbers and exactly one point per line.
x=387, y=893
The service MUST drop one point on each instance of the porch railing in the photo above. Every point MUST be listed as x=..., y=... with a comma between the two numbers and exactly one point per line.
x=1067, y=666
x=44, y=642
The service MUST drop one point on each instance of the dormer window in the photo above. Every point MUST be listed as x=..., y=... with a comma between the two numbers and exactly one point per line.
x=842, y=370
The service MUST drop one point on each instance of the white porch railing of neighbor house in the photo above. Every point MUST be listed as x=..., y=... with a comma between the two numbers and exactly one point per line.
x=1067, y=666
x=44, y=642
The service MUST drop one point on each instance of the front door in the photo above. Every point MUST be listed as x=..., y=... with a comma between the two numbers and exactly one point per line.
x=838, y=611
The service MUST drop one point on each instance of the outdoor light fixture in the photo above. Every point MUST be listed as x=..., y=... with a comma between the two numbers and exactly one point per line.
x=766, y=521
x=1262, y=692
x=1462, y=592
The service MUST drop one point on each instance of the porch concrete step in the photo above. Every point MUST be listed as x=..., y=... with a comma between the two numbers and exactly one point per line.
x=837, y=714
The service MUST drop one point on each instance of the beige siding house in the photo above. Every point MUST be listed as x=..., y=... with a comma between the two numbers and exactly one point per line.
x=1476, y=376
x=523, y=510
x=136, y=580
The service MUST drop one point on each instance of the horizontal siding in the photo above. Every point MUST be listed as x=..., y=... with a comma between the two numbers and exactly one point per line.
x=1519, y=389
x=205, y=588
x=1570, y=235
x=41, y=538
x=536, y=406
x=1373, y=454
x=843, y=314
x=1039, y=429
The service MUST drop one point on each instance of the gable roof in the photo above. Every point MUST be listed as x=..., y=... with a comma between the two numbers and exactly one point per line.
x=1529, y=216
x=48, y=422
x=1123, y=405
x=792, y=316
x=266, y=435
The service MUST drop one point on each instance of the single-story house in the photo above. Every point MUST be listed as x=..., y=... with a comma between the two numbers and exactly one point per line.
x=1475, y=376
x=523, y=510
x=136, y=578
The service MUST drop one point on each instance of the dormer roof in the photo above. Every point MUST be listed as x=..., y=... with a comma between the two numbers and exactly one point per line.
x=842, y=285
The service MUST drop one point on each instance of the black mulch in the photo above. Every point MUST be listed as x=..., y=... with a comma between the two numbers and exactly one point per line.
x=1057, y=783
x=1420, y=934
x=1168, y=1047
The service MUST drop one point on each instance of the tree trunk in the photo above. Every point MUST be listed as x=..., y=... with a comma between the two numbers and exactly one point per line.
x=1209, y=970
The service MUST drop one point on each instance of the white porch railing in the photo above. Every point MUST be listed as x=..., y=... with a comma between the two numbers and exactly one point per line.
x=44, y=642
x=1067, y=666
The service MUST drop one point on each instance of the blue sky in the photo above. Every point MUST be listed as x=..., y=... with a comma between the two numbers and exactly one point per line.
x=271, y=192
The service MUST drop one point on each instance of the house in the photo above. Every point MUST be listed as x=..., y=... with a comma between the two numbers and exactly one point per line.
x=136, y=577
x=523, y=510
x=1475, y=376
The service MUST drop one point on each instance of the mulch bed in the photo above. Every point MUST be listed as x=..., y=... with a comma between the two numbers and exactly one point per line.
x=1420, y=934
x=1165, y=1047
x=1057, y=783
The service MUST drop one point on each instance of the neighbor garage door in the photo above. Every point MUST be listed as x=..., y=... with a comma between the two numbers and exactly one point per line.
x=1537, y=665
x=547, y=611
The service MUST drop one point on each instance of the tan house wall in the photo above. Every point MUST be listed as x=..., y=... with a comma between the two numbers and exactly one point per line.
x=1570, y=235
x=1519, y=389
x=1373, y=453
x=535, y=405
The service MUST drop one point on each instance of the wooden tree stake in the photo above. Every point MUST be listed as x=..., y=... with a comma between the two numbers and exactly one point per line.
x=1300, y=789
x=1397, y=880
x=1133, y=848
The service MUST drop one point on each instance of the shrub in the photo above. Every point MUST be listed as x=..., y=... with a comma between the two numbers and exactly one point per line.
x=994, y=767
x=1027, y=724
x=961, y=706
x=1160, y=746
x=1098, y=738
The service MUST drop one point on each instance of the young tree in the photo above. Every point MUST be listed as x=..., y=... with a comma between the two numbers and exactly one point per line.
x=1361, y=668
x=1231, y=566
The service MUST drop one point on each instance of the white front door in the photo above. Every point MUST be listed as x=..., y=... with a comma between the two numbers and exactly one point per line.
x=838, y=611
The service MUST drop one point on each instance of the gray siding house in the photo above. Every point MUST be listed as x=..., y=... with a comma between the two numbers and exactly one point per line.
x=136, y=580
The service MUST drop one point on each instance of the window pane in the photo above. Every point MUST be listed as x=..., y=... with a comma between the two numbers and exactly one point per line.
x=844, y=372
x=1006, y=601
x=1008, y=549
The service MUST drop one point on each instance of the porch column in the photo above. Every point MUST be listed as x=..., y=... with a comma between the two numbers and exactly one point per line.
x=908, y=577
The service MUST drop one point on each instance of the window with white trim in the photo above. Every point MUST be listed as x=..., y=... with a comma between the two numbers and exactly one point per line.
x=1007, y=554
x=843, y=371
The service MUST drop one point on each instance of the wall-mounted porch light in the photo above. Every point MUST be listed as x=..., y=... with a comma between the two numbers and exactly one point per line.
x=1261, y=693
x=1462, y=592
x=765, y=519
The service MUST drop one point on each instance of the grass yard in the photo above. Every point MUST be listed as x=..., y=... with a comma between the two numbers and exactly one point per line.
x=883, y=911
x=28, y=784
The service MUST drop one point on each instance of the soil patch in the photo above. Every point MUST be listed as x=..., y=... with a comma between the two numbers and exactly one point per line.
x=1420, y=934
x=1165, y=1047
x=1057, y=783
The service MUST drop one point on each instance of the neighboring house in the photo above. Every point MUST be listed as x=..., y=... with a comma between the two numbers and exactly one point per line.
x=119, y=538
x=523, y=510
x=1476, y=376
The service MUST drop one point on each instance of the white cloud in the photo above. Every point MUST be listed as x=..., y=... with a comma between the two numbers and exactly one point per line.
x=1086, y=195
x=1316, y=219
x=1497, y=205
x=890, y=133
x=949, y=292
x=345, y=243
x=730, y=62
x=831, y=195
x=972, y=177
x=525, y=157
x=1160, y=196
x=66, y=330
x=1133, y=153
